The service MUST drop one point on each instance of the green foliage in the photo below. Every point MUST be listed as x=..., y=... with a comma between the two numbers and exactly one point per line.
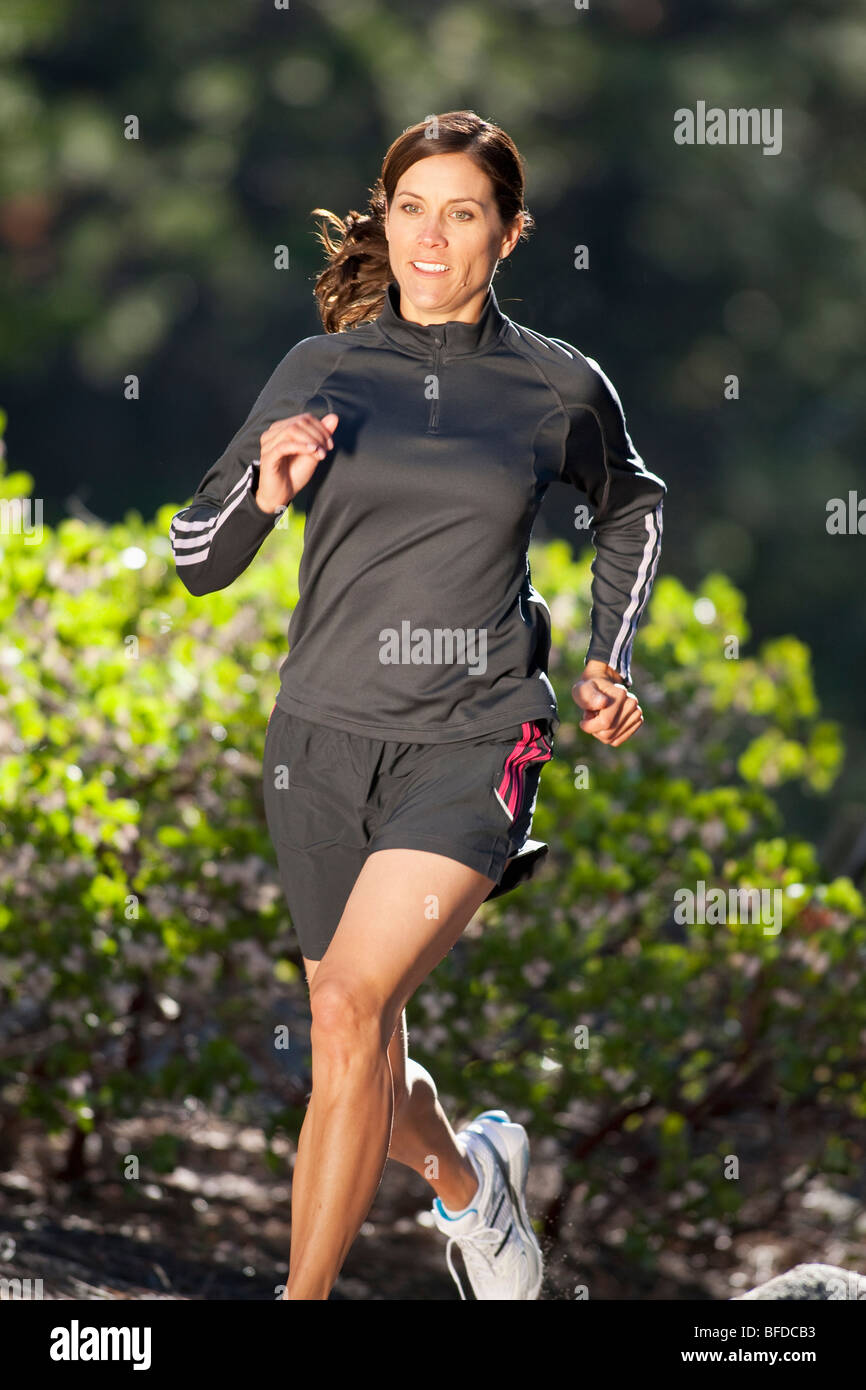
x=677, y=1016
x=142, y=921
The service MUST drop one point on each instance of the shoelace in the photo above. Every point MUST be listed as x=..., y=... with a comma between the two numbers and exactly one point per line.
x=480, y=1243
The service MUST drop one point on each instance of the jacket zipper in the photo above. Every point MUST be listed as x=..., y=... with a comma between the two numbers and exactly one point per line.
x=433, y=412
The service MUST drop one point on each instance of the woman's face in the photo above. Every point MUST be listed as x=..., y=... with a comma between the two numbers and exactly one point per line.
x=443, y=213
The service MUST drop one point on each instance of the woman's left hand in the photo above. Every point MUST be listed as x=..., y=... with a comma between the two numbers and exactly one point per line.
x=613, y=713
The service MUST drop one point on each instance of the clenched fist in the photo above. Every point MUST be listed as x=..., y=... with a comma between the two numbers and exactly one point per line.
x=613, y=714
x=290, y=452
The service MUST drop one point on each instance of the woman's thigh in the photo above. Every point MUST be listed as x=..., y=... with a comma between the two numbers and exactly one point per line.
x=406, y=910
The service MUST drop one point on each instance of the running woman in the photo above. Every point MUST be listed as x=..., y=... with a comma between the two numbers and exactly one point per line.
x=414, y=711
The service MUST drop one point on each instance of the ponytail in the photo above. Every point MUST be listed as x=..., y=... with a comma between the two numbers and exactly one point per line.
x=351, y=288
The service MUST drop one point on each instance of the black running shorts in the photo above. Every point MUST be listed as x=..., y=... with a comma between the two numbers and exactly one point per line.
x=332, y=798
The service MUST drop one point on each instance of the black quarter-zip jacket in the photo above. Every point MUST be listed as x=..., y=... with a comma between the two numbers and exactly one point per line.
x=417, y=619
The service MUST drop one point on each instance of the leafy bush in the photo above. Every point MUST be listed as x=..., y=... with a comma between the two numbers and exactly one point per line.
x=145, y=941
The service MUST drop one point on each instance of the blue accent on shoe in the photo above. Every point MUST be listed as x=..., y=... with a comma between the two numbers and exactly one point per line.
x=453, y=1216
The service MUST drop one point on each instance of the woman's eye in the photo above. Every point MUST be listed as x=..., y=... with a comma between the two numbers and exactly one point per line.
x=409, y=207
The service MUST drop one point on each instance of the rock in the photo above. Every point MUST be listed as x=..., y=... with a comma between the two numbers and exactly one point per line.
x=811, y=1281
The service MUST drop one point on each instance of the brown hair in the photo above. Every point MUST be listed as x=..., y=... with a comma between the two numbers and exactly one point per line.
x=351, y=288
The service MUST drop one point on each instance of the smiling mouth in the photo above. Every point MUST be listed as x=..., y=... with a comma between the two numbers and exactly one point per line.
x=429, y=267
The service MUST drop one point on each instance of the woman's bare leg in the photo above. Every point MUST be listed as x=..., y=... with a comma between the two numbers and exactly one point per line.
x=386, y=944
x=421, y=1137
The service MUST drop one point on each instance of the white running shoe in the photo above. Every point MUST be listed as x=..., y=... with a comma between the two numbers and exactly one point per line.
x=502, y=1256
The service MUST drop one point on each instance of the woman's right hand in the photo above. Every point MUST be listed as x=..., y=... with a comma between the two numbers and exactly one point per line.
x=290, y=452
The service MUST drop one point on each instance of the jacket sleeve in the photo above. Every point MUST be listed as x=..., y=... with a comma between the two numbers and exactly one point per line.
x=214, y=539
x=626, y=527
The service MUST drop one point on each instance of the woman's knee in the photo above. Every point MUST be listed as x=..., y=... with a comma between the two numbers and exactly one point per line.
x=348, y=1019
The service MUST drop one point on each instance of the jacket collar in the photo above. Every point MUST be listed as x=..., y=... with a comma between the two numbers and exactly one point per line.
x=458, y=339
